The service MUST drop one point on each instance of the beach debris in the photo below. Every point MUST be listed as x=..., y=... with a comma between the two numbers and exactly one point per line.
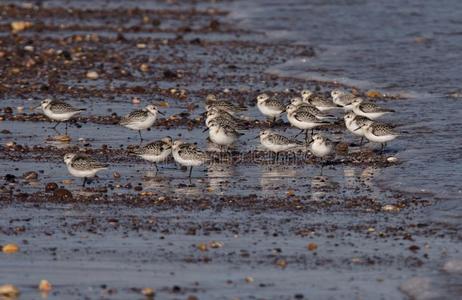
x=281, y=263
x=374, y=94
x=453, y=266
x=17, y=26
x=390, y=208
x=249, y=279
x=202, y=247
x=148, y=292
x=9, y=290
x=312, y=246
x=30, y=176
x=45, y=286
x=10, y=248
x=216, y=244
x=92, y=75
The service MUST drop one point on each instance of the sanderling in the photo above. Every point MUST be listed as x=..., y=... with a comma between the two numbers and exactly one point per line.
x=141, y=119
x=317, y=100
x=270, y=107
x=379, y=133
x=212, y=102
x=321, y=147
x=277, y=143
x=83, y=166
x=156, y=152
x=353, y=122
x=368, y=109
x=301, y=118
x=343, y=99
x=59, y=111
x=222, y=134
x=188, y=155
x=222, y=117
x=297, y=102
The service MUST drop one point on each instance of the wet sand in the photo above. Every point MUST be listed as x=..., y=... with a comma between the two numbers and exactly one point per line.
x=244, y=227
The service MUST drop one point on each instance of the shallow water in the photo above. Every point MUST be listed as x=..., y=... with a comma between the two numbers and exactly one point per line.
x=409, y=48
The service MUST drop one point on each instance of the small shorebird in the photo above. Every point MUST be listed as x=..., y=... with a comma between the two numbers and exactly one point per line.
x=222, y=134
x=317, y=100
x=343, y=99
x=156, y=152
x=353, y=122
x=212, y=102
x=277, y=143
x=301, y=118
x=321, y=147
x=83, y=166
x=297, y=102
x=222, y=117
x=59, y=111
x=188, y=155
x=140, y=119
x=368, y=109
x=270, y=107
x=379, y=133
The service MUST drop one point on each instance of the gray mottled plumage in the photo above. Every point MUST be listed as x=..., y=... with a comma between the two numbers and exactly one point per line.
x=225, y=105
x=278, y=139
x=134, y=116
x=59, y=107
x=190, y=152
x=303, y=115
x=81, y=162
x=275, y=104
x=361, y=121
x=155, y=148
x=380, y=129
x=368, y=107
x=320, y=101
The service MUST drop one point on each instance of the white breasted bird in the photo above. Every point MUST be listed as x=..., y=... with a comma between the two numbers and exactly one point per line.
x=270, y=107
x=317, y=100
x=59, y=111
x=368, y=109
x=379, y=133
x=83, y=166
x=354, y=124
x=188, y=155
x=141, y=119
x=155, y=152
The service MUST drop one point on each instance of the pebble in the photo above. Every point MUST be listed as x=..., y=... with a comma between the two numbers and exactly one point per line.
x=136, y=100
x=144, y=67
x=202, y=247
x=17, y=26
x=51, y=186
x=92, y=75
x=392, y=159
x=9, y=290
x=45, y=286
x=148, y=292
x=249, y=279
x=10, y=248
x=30, y=176
x=418, y=288
x=312, y=246
x=453, y=266
x=390, y=207
x=62, y=194
x=116, y=175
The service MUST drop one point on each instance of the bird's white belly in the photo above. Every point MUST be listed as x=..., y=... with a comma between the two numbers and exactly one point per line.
x=268, y=111
x=379, y=139
x=301, y=125
x=83, y=173
x=59, y=117
x=141, y=125
x=221, y=138
x=157, y=158
x=186, y=162
x=276, y=148
x=354, y=128
x=320, y=150
x=371, y=115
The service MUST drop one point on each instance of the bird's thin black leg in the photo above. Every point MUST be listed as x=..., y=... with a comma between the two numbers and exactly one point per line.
x=84, y=181
x=190, y=171
x=301, y=131
x=54, y=127
x=139, y=132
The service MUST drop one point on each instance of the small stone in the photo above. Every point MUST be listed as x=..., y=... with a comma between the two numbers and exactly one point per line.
x=453, y=266
x=392, y=159
x=63, y=138
x=92, y=75
x=67, y=181
x=202, y=247
x=20, y=109
x=281, y=263
x=144, y=68
x=116, y=175
x=136, y=100
x=51, y=186
x=29, y=48
x=390, y=208
x=10, y=248
x=148, y=292
x=9, y=290
x=45, y=286
x=374, y=94
x=216, y=244
x=141, y=46
x=249, y=279
x=312, y=246
x=62, y=194
x=30, y=176
x=341, y=148
x=17, y=26
x=10, y=178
